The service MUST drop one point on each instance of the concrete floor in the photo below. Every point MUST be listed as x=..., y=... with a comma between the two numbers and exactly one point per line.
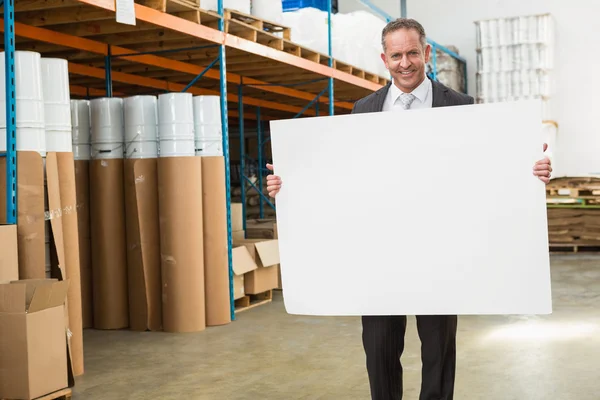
x=268, y=354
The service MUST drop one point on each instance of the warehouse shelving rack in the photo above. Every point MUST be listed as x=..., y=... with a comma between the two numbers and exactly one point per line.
x=166, y=52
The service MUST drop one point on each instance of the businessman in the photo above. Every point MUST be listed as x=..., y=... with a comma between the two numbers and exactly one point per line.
x=405, y=54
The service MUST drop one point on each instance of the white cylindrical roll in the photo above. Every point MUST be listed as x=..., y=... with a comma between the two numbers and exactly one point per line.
x=55, y=86
x=176, y=125
x=107, y=132
x=80, y=122
x=140, y=111
x=82, y=152
x=29, y=93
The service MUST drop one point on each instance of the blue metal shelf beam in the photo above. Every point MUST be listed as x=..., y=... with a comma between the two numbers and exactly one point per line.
x=11, y=112
x=225, y=129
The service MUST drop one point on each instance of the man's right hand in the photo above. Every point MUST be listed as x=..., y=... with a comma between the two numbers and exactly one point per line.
x=273, y=182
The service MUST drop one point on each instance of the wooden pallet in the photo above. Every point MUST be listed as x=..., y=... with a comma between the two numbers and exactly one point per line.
x=574, y=248
x=574, y=192
x=263, y=25
x=64, y=394
x=186, y=9
x=253, y=300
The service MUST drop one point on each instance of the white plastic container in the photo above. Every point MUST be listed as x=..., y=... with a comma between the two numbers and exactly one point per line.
x=28, y=84
x=59, y=140
x=82, y=151
x=176, y=125
x=107, y=132
x=141, y=130
x=55, y=84
x=80, y=122
x=270, y=10
x=207, y=126
x=28, y=139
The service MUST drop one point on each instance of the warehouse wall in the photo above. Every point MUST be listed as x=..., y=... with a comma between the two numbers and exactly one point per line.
x=575, y=99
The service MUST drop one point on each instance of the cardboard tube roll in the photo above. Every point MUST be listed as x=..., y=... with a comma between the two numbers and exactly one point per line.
x=30, y=215
x=143, y=244
x=68, y=200
x=82, y=185
x=181, y=243
x=216, y=267
x=109, y=256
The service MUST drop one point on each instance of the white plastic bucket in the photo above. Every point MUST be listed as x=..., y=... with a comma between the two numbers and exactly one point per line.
x=141, y=131
x=177, y=148
x=107, y=120
x=207, y=110
x=140, y=110
x=55, y=84
x=59, y=141
x=175, y=108
x=80, y=122
x=82, y=151
x=147, y=149
x=209, y=141
x=105, y=151
x=28, y=85
x=28, y=139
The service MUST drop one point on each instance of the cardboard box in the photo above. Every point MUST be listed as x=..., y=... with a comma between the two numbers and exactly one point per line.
x=237, y=217
x=9, y=254
x=238, y=235
x=242, y=263
x=33, y=341
x=266, y=256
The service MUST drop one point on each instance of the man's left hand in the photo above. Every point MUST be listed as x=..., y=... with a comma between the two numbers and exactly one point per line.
x=542, y=169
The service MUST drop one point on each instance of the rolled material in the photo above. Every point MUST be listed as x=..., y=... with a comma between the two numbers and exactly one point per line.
x=68, y=199
x=143, y=245
x=109, y=256
x=181, y=243
x=82, y=185
x=216, y=267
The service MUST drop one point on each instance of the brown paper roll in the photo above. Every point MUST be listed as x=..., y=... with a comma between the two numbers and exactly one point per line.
x=109, y=257
x=216, y=267
x=181, y=245
x=68, y=201
x=30, y=215
x=143, y=245
x=82, y=184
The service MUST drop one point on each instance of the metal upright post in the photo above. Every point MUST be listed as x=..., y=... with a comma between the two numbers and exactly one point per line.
x=260, y=161
x=330, y=56
x=403, y=8
x=225, y=129
x=11, y=112
x=242, y=151
x=108, y=72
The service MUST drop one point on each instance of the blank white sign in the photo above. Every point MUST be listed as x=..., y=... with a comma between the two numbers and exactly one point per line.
x=432, y=211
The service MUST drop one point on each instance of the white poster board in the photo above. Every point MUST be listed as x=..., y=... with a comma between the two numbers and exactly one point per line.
x=431, y=211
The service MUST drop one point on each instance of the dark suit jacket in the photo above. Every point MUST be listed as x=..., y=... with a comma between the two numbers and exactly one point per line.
x=442, y=97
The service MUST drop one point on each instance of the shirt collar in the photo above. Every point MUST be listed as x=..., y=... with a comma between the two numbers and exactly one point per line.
x=420, y=91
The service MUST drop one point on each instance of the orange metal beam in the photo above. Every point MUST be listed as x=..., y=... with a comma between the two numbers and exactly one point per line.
x=83, y=91
x=92, y=46
x=99, y=73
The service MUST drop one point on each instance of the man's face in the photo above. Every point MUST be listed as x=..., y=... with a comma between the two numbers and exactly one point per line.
x=405, y=58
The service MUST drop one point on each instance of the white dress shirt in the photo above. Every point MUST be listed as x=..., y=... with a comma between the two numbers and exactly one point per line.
x=423, y=97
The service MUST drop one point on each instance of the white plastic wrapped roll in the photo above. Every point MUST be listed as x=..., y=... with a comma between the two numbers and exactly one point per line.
x=270, y=10
x=309, y=28
x=238, y=5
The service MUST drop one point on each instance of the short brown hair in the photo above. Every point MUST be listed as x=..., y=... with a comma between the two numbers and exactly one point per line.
x=404, y=23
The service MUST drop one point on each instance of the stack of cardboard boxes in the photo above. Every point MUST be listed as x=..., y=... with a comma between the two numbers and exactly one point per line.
x=33, y=334
x=255, y=260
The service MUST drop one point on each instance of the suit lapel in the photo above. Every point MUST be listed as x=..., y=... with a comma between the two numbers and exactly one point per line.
x=380, y=98
x=439, y=94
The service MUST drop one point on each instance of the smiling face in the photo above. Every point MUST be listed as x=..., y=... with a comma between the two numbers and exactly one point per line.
x=405, y=57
